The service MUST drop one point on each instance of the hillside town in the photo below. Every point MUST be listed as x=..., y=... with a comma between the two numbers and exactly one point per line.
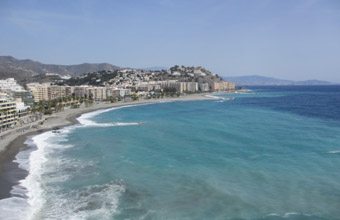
x=26, y=103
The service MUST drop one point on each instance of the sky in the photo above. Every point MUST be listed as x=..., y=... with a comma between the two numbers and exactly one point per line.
x=287, y=39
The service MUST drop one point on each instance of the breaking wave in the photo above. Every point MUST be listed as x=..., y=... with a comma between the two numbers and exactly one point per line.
x=334, y=152
x=85, y=119
x=29, y=197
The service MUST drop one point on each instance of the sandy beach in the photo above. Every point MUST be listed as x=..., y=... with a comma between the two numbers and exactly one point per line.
x=13, y=142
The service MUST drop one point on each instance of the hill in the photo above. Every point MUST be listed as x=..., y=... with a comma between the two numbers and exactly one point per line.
x=125, y=77
x=255, y=80
x=26, y=69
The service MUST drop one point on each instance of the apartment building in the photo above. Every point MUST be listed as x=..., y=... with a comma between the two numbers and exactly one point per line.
x=222, y=86
x=180, y=86
x=12, y=88
x=204, y=87
x=79, y=91
x=8, y=112
x=192, y=86
x=40, y=93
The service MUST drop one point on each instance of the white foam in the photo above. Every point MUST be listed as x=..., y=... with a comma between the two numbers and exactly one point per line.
x=27, y=199
x=273, y=214
x=111, y=124
x=226, y=99
x=33, y=182
x=13, y=208
x=85, y=119
x=16, y=207
x=97, y=201
x=214, y=97
x=29, y=196
x=334, y=152
x=287, y=214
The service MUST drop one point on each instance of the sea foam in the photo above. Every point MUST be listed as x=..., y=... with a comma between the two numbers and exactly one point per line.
x=85, y=119
x=29, y=196
x=214, y=97
x=334, y=152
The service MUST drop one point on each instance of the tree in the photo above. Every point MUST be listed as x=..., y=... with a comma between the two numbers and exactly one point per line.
x=134, y=97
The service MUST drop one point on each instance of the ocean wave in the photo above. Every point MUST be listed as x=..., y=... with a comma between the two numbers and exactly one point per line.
x=292, y=215
x=85, y=119
x=214, y=97
x=29, y=196
x=89, y=123
x=89, y=202
x=226, y=99
x=289, y=214
x=43, y=166
x=334, y=152
x=13, y=208
x=220, y=99
x=33, y=182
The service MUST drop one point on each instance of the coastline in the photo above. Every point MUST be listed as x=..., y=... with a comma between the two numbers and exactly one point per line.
x=15, y=142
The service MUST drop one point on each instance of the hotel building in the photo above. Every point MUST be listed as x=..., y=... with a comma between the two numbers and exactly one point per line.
x=8, y=112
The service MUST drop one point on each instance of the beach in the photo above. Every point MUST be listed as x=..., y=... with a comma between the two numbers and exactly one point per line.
x=14, y=142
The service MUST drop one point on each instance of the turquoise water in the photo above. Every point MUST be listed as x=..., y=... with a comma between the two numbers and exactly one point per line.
x=273, y=153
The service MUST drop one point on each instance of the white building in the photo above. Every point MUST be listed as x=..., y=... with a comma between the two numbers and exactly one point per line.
x=204, y=87
x=11, y=84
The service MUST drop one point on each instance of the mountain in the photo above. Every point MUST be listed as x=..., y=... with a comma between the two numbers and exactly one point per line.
x=256, y=80
x=314, y=82
x=26, y=69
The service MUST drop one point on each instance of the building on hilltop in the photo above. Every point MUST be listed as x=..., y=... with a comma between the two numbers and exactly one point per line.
x=11, y=84
x=12, y=88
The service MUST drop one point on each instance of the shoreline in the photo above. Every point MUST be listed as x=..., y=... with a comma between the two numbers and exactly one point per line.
x=10, y=174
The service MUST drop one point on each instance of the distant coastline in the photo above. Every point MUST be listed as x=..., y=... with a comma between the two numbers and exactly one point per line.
x=255, y=80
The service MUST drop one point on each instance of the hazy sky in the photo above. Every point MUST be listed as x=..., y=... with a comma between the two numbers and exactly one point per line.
x=289, y=39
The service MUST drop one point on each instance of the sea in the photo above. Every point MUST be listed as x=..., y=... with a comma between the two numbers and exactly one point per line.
x=271, y=153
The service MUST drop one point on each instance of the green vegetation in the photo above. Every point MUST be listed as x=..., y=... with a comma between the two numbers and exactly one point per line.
x=57, y=105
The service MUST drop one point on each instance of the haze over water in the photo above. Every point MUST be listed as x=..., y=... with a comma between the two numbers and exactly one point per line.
x=272, y=153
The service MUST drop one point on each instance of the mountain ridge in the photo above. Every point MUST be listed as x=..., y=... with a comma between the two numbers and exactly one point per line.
x=256, y=80
x=27, y=68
